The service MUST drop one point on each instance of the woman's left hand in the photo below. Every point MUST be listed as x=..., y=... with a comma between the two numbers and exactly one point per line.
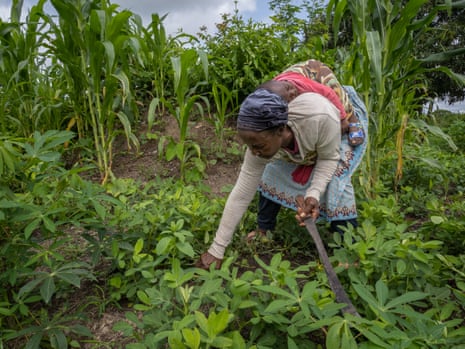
x=308, y=207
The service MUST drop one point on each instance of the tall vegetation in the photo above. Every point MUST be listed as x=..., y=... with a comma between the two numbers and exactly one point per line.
x=444, y=34
x=182, y=107
x=93, y=45
x=382, y=65
x=77, y=83
x=28, y=101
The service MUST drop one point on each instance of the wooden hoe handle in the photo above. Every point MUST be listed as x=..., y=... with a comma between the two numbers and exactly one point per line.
x=334, y=283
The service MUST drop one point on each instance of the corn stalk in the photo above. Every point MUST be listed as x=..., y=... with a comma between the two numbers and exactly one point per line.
x=383, y=66
x=25, y=89
x=94, y=44
x=185, y=70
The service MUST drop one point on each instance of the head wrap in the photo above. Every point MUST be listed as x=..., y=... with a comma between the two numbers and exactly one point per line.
x=262, y=110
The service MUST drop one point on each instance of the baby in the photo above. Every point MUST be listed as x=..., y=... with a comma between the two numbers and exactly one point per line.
x=288, y=91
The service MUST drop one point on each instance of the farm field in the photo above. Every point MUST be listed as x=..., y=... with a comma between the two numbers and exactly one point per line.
x=118, y=149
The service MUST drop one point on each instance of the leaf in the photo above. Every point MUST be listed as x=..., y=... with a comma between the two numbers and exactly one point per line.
x=366, y=295
x=279, y=305
x=58, y=339
x=247, y=304
x=437, y=219
x=47, y=289
x=110, y=54
x=180, y=150
x=374, y=50
x=291, y=344
x=192, y=337
x=400, y=266
x=237, y=340
x=275, y=290
x=30, y=228
x=375, y=339
x=34, y=342
x=381, y=292
x=163, y=245
x=152, y=113
x=222, y=342
x=443, y=56
x=6, y=311
x=333, y=339
x=170, y=150
x=82, y=330
x=49, y=225
x=201, y=321
x=218, y=322
x=406, y=298
x=186, y=248
x=139, y=246
x=99, y=209
x=70, y=278
x=437, y=131
x=31, y=285
x=143, y=297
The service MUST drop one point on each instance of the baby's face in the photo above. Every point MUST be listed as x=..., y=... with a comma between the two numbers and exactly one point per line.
x=287, y=90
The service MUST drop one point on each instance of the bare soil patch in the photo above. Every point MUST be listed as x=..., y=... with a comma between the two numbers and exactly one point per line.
x=222, y=170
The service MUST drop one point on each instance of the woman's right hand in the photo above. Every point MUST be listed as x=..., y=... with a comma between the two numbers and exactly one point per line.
x=308, y=207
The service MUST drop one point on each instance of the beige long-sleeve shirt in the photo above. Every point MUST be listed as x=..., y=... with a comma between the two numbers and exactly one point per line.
x=315, y=123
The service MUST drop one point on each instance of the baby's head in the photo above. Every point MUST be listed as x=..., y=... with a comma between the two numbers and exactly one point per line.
x=285, y=89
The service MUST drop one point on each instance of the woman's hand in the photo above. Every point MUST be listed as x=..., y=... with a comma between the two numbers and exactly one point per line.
x=308, y=207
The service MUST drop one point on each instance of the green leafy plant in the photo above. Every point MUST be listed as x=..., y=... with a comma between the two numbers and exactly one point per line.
x=244, y=54
x=68, y=273
x=97, y=77
x=134, y=243
x=223, y=99
x=54, y=331
x=24, y=103
x=186, y=100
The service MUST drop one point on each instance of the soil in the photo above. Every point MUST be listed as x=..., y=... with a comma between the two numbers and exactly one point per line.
x=145, y=165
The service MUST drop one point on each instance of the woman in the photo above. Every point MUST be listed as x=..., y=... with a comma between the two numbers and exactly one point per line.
x=291, y=151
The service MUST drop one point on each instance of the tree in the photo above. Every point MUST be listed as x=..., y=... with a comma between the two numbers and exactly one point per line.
x=446, y=33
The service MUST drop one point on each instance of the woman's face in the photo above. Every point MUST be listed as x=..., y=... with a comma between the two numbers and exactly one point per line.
x=264, y=144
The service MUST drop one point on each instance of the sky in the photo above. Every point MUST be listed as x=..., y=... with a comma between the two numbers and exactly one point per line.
x=189, y=15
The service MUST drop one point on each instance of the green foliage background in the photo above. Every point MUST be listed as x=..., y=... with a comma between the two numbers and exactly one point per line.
x=70, y=87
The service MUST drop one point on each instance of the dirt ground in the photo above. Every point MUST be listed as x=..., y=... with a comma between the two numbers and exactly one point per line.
x=148, y=164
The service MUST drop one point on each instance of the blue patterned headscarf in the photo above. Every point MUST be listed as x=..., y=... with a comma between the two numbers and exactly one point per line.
x=262, y=110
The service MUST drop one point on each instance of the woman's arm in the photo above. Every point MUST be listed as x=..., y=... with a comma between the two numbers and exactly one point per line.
x=238, y=201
